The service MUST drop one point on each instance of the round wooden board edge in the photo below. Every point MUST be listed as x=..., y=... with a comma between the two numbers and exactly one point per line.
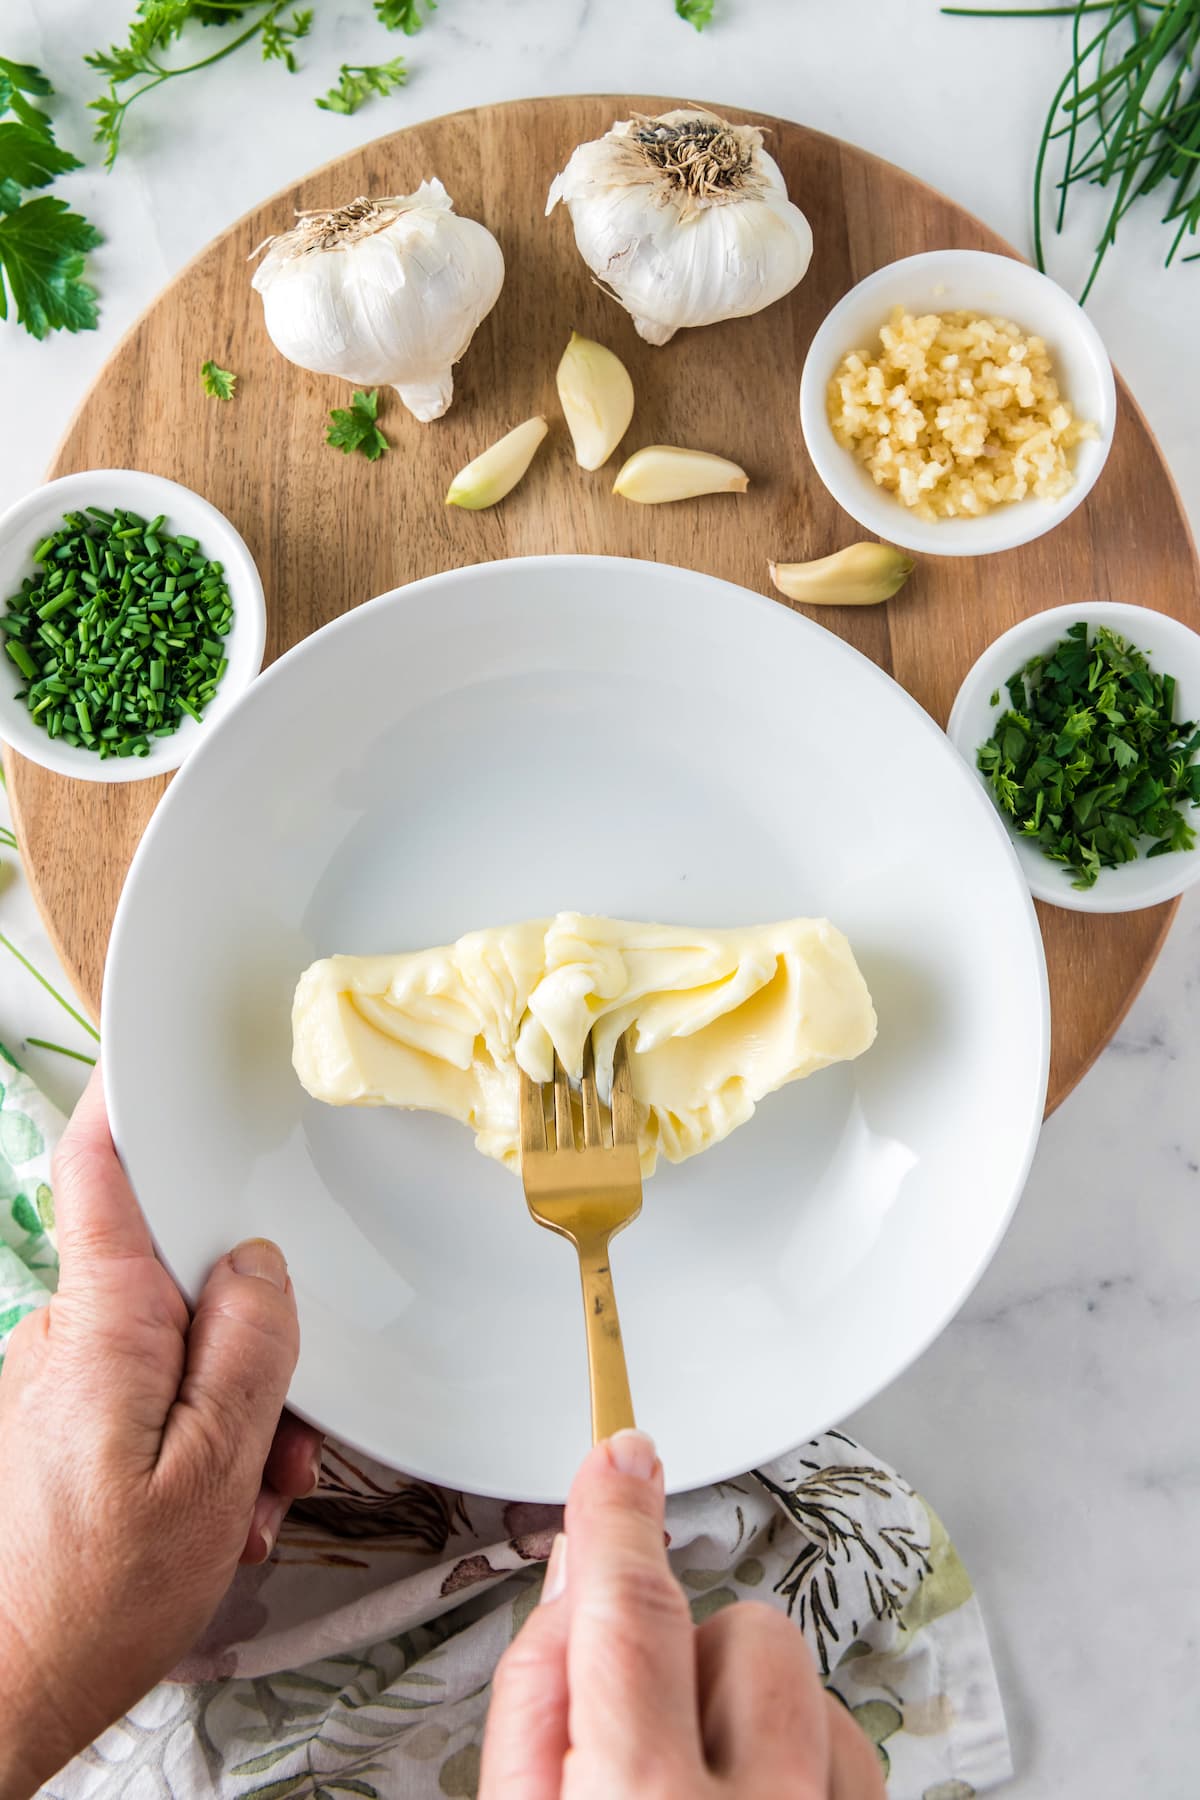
x=620, y=103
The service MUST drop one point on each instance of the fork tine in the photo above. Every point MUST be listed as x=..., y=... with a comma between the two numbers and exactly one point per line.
x=624, y=1111
x=533, y=1117
x=564, y=1125
x=593, y=1112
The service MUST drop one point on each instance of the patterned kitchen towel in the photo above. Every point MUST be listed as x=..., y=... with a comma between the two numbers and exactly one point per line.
x=359, y=1659
x=29, y=1129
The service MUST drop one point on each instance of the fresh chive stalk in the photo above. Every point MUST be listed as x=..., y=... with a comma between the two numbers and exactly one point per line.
x=1126, y=113
x=61, y=1050
x=78, y=1017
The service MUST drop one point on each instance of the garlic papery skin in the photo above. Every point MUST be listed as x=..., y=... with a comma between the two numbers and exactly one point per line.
x=497, y=470
x=661, y=472
x=385, y=293
x=684, y=219
x=596, y=395
x=859, y=575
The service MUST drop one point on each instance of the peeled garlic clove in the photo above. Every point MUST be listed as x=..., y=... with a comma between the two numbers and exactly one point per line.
x=859, y=575
x=497, y=471
x=662, y=472
x=597, y=399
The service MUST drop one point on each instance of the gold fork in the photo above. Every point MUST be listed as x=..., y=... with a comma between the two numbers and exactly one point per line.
x=587, y=1193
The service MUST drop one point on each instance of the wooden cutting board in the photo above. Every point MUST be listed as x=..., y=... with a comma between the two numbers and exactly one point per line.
x=330, y=531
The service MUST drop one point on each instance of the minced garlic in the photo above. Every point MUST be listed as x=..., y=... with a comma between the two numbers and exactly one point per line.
x=956, y=413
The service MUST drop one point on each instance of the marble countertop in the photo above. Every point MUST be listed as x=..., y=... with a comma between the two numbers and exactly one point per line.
x=1053, y=1425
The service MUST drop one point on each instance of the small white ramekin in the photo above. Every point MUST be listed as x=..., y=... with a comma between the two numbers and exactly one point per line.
x=21, y=529
x=951, y=281
x=1172, y=649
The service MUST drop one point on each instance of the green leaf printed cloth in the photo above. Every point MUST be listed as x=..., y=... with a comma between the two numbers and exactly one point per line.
x=358, y=1660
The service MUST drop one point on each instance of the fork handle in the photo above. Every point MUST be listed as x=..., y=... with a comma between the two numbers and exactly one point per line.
x=612, y=1407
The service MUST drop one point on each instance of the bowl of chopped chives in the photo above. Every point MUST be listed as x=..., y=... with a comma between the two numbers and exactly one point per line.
x=131, y=619
x=1083, y=723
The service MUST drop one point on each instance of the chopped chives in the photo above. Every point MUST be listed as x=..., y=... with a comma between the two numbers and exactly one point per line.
x=54, y=606
x=117, y=631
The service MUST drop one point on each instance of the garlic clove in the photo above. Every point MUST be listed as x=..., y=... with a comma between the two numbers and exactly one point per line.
x=597, y=399
x=498, y=469
x=859, y=575
x=663, y=472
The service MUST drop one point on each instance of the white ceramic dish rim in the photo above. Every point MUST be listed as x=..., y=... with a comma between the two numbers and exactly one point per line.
x=1135, y=885
x=1004, y=528
x=416, y=594
x=247, y=635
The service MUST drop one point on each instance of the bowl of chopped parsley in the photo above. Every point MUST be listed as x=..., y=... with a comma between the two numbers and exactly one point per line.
x=1083, y=723
x=131, y=618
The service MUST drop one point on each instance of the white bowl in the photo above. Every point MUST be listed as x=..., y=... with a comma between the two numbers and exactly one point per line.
x=1173, y=649
x=948, y=281
x=725, y=761
x=21, y=529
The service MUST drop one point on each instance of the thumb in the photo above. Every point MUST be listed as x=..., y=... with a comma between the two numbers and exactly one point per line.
x=632, y=1653
x=241, y=1350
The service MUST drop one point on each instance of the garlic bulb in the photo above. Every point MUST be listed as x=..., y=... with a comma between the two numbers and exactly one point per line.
x=382, y=292
x=684, y=219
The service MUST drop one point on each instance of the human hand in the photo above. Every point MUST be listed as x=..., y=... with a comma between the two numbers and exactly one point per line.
x=610, y=1693
x=143, y=1456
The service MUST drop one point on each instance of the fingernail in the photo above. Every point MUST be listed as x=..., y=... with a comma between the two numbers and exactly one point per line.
x=555, y=1581
x=261, y=1258
x=633, y=1453
x=270, y=1524
x=316, y=1475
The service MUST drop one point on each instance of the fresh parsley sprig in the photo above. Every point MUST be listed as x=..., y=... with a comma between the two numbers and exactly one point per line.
x=137, y=64
x=277, y=39
x=407, y=16
x=218, y=383
x=353, y=427
x=1089, y=761
x=357, y=82
x=42, y=242
x=696, y=12
x=16, y=81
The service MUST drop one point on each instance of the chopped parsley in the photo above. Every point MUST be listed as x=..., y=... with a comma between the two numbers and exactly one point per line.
x=1089, y=761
